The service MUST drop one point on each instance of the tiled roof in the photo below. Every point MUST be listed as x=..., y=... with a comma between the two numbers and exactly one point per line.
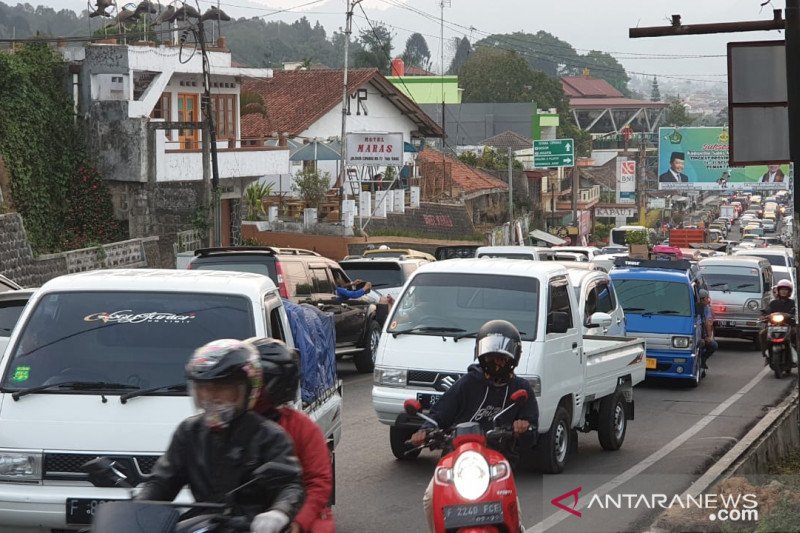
x=417, y=71
x=605, y=175
x=296, y=99
x=508, y=139
x=602, y=103
x=470, y=180
x=585, y=87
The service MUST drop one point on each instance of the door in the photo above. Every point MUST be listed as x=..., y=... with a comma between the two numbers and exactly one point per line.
x=188, y=111
x=607, y=302
x=349, y=315
x=562, y=354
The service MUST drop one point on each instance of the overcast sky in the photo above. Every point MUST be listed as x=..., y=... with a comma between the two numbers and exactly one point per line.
x=586, y=24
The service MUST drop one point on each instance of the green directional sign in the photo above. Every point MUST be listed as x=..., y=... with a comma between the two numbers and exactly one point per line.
x=554, y=153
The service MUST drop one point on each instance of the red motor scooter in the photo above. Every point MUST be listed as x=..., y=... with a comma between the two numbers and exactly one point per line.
x=473, y=486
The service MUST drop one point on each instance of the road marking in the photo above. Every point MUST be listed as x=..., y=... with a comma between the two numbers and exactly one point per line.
x=640, y=467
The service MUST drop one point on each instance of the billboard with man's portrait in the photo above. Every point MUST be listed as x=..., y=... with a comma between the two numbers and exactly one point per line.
x=697, y=158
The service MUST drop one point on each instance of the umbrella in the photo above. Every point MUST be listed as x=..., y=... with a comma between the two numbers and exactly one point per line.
x=317, y=151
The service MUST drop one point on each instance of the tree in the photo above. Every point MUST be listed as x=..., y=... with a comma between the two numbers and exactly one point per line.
x=311, y=185
x=542, y=51
x=603, y=66
x=676, y=114
x=377, y=51
x=417, y=53
x=655, y=94
x=463, y=49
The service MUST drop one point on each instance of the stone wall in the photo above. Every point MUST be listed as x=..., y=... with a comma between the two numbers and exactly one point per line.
x=437, y=220
x=18, y=263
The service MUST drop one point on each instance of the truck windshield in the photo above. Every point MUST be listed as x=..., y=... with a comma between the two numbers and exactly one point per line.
x=141, y=339
x=452, y=304
x=733, y=279
x=381, y=274
x=644, y=296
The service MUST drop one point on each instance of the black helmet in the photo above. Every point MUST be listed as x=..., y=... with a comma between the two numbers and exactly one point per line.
x=225, y=360
x=498, y=338
x=280, y=369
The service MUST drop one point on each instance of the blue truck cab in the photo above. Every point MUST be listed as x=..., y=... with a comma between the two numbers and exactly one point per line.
x=661, y=306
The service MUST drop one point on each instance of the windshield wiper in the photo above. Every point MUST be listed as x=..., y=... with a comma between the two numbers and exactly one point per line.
x=743, y=285
x=626, y=309
x=667, y=312
x=75, y=385
x=425, y=329
x=177, y=387
x=717, y=284
x=474, y=334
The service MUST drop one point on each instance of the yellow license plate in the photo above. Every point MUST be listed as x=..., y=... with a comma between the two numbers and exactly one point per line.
x=650, y=363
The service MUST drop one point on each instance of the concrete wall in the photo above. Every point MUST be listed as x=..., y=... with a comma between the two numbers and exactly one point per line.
x=468, y=124
x=18, y=263
x=187, y=165
x=438, y=220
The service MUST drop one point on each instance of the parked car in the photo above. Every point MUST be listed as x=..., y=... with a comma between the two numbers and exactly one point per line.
x=8, y=285
x=385, y=251
x=303, y=276
x=11, y=305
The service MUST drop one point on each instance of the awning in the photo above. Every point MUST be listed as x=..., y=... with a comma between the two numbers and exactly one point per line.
x=409, y=148
x=549, y=238
x=318, y=151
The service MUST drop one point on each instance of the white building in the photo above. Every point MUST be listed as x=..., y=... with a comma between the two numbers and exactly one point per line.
x=129, y=96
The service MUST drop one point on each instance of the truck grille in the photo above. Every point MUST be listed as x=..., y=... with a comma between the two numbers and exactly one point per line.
x=70, y=465
x=425, y=378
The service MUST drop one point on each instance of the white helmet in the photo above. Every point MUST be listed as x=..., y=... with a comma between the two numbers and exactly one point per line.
x=785, y=284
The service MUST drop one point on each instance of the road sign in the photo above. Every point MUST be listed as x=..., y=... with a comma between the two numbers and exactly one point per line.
x=553, y=153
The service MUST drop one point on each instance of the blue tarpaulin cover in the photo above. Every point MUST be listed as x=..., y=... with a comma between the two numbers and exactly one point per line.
x=314, y=335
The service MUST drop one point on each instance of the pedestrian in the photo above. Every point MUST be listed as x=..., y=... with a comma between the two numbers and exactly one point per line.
x=708, y=344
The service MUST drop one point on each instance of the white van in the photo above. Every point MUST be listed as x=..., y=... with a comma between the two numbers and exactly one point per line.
x=95, y=367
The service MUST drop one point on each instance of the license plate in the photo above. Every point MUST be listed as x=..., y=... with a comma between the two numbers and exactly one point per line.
x=81, y=510
x=475, y=514
x=779, y=329
x=650, y=363
x=428, y=400
x=725, y=323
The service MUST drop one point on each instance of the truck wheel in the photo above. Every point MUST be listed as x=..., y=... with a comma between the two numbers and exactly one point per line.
x=554, y=446
x=696, y=376
x=612, y=423
x=397, y=439
x=365, y=359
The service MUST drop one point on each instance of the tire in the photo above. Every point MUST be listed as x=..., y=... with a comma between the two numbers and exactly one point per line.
x=696, y=376
x=365, y=359
x=554, y=446
x=613, y=423
x=397, y=440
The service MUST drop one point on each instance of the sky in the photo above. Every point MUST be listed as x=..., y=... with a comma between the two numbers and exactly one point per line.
x=585, y=24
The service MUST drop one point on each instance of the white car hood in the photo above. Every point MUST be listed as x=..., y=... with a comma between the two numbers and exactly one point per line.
x=82, y=422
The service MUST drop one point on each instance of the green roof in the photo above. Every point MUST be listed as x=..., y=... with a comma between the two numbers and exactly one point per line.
x=428, y=89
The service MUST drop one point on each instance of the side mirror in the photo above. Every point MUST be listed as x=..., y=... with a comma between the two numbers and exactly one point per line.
x=558, y=322
x=519, y=397
x=412, y=407
x=600, y=320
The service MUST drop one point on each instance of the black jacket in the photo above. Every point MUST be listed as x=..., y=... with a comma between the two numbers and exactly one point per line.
x=475, y=398
x=215, y=462
x=781, y=306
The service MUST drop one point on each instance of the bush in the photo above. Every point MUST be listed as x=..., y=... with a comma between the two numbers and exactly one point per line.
x=253, y=197
x=311, y=186
x=636, y=237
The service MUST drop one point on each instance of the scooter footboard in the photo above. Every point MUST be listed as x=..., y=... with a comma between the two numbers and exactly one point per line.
x=134, y=517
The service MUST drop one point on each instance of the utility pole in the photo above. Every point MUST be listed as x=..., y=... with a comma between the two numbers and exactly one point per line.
x=348, y=29
x=642, y=186
x=510, y=190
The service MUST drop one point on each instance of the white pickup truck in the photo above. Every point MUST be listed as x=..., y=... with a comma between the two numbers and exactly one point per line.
x=95, y=366
x=581, y=382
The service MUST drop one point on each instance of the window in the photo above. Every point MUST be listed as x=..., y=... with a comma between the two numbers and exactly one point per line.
x=163, y=110
x=225, y=115
x=604, y=298
x=559, y=299
x=296, y=281
x=650, y=297
x=322, y=283
x=275, y=323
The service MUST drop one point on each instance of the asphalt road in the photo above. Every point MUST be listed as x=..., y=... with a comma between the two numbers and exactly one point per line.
x=375, y=492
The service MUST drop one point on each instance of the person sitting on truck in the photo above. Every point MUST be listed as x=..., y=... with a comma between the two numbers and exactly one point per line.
x=484, y=391
x=709, y=345
x=782, y=303
x=281, y=381
x=348, y=291
x=218, y=450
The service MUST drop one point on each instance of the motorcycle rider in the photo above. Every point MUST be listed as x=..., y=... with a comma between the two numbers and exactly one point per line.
x=281, y=379
x=484, y=391
x=218, y=450
x=782, y=303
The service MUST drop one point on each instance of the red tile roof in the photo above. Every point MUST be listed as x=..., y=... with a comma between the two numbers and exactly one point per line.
x=585, y=87
x=602, y=103
x=470, y=180
x=296, y=99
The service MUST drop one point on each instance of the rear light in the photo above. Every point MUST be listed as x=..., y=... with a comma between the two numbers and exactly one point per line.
x=282, y=289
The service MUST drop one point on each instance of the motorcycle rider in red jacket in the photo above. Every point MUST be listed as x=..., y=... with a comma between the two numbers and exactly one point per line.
x=281, y=378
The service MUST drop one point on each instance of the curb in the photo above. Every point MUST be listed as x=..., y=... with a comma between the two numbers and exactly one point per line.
x=727, y=465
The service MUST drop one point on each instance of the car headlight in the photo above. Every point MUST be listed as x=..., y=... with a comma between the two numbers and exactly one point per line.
x=681, y=342
x=753, y=305
x=390, y=377
x=471, y=475
x=536, y=384
x=20, y=466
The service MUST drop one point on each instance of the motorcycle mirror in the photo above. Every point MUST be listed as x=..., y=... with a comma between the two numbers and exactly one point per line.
x=104, y=472
x=519, y=396
x=412, y=407
x=272, y=474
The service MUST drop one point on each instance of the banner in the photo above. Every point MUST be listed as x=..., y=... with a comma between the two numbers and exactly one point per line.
x=379, y=149
x=626, y=181
x=697, y=159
